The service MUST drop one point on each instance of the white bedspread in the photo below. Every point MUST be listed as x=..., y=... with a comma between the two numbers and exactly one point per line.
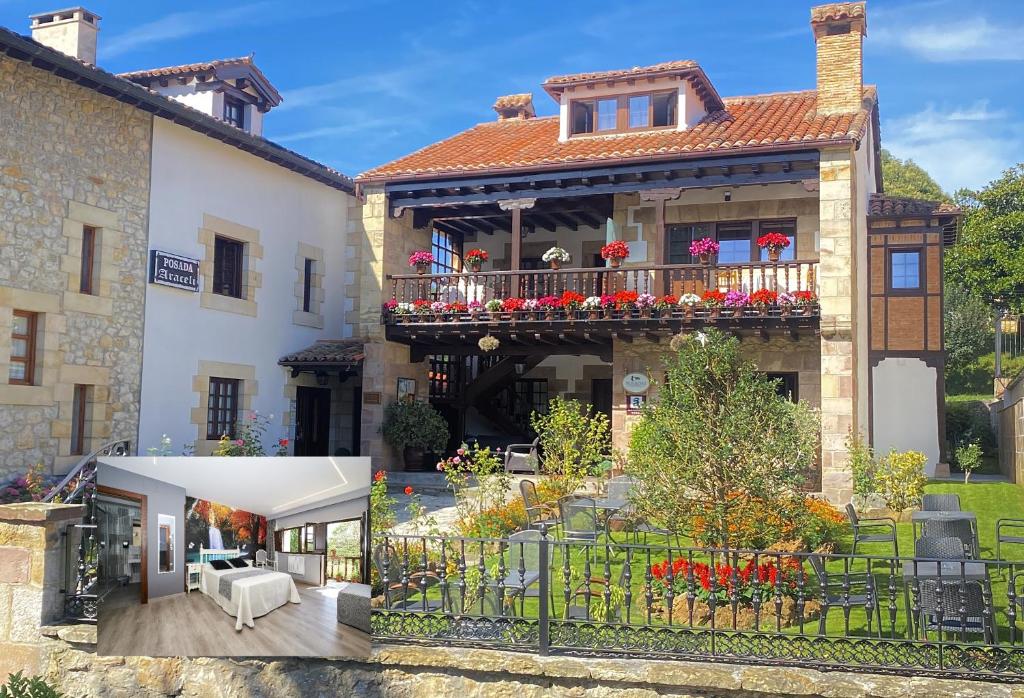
x=252, y=596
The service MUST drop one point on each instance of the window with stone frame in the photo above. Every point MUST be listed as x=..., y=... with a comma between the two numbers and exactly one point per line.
x=22, y=363
x=308, y=268
x=89, y=272
x=228, y=266
x=81, y=398
x=222, y=408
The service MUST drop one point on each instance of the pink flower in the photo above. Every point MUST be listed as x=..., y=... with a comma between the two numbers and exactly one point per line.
x=440, y=465
x=461, y=451
x=456, y=459
x=239, y=442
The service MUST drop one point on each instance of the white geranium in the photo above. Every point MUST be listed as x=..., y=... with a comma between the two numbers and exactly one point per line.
x=556, y=254
x=689, y=299
x=592, y=303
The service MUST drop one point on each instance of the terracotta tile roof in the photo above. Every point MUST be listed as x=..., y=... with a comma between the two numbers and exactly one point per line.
x=327, y=352
x=142, y=76
x=686, y=70
x=838, y=11
x=884, y=206
x=784, y=120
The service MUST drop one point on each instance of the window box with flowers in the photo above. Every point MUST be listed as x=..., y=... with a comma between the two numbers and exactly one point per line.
x=805, y=301
x=713, y=300
x=763, y=299
x=556, y=257
x=775, y=243
x=421, y=308
x=549, y=305
x=737, y=302
x=572, y=303
x=689, y=301
x=645, y=304
x=475, y=259
x=614, y=252
x=704, y=249
x=592, y=306
x=421, y=260
x=608, y=304
x=666, y=305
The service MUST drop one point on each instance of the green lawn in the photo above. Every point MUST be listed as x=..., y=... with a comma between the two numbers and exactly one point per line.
x=989, y=501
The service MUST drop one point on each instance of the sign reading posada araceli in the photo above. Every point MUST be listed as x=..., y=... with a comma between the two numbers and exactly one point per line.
x=173, y=270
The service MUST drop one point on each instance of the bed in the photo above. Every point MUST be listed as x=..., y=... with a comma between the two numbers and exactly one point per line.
x=245, y=593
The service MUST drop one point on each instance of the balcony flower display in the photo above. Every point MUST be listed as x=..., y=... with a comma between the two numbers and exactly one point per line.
x=549, y=304
x=786, y=302
x=608, y=303
x=805, y=300
x=456, y=307
x=712, y=298
x=572, y=301
x=762, y=299
x=644, y=302
x=687, y=302
x=736, y=300
x=556, y=257
x=592, y=304
x=775, y=243
x=488, y=343
x=475, y=258
x=666, y=304
x=493, y=306
x=615, y=251
x=421, y=259
x=626, y=300
x=421, y=306
x=474, y=306
x=704, y=249
x=438, y=309
x=511, y=305
x=531, y=305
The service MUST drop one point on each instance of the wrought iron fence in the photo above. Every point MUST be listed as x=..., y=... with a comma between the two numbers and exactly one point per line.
x=81, y=545
x=535, y=593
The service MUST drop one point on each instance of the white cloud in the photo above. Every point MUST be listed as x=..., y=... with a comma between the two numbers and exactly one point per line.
x=961, y=146
x=180, y=25
x=962, y=39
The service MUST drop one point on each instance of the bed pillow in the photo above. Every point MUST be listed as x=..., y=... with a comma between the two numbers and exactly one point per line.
x=238, y=562
x=220, y=564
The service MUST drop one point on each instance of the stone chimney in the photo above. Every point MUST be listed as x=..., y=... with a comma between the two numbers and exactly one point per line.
x=515, y=107
x=72, y=31
x=839, y=31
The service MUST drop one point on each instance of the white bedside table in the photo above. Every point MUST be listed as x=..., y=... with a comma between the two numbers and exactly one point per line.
x=193, y=573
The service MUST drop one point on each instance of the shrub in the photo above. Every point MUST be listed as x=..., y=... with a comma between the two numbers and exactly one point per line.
x=716, y=436
x=757, y=524
x=902, y=479
x=30, y=487
x=968, y=457
x=409, y=423
x=968, y=421
x=478, y=479
x=495, y=522
x=250, y=439
x=18, y=686
x=574, y=439
x=862, y=464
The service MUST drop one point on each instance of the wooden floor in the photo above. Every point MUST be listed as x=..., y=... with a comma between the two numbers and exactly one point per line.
x=193, y=625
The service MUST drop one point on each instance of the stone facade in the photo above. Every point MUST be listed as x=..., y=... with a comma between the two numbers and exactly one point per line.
x=70, y=157
x=839, y=31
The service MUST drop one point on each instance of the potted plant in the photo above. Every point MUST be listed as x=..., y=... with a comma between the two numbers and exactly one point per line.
x=512, y=305
x=625, y=301
x=475, y=258
x=644, y=302
x=571, y=303
x=665, y=305
x=457, y=308
x=688, y=301
x=421, y=308
x=608, y=303
x=414, y=428
x=615, y=251
x=762, y=299
x=550, y=306
x=775, y=243
x=438, y=309
x=713, y=299
x=737, y=300
x=805, y=301
x=421, y=260
x=593, y=307
x=493, y=306
x=704, y=249
x=556, y=257
x=786, y=302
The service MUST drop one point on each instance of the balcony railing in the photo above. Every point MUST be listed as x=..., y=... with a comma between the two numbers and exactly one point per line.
x=468, y=291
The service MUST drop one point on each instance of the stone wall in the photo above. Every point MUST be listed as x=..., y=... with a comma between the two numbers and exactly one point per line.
x=70, y=157
x=65, y=655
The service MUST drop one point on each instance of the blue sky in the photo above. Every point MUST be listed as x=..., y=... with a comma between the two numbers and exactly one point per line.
x=370, y=81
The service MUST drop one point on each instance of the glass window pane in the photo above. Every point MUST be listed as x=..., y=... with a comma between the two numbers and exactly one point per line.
x=665, y=109
x=582, y=117
x=20, y=325
x=733, y=251
x=16, y=371
x=19, y=348
x=638, y=111
x=606, y=114
x=906, y=272
x=787, y=253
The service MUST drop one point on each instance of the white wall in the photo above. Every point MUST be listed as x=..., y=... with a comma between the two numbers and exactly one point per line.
x=904, y=408
x=191, y=175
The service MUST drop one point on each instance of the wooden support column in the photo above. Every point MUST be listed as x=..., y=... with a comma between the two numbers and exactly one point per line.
x=659, y=197
x=516, y=206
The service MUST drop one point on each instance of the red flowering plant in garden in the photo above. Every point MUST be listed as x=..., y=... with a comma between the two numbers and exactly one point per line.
x=712, y=298
x=511, y=305
x=572, y=300
x=749, y=581
x=626, y=300
x=763, y=296
x=773, y=241
x=617, y=249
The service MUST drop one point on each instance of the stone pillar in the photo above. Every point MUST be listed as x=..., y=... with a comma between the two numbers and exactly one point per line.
x=386, y=245
x=31, y=576
x=836, y=272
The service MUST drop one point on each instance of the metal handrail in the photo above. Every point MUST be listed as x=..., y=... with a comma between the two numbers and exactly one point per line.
x=121, y=447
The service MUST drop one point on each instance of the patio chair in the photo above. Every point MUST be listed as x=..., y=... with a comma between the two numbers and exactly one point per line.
x=579, y=519
x=1010, y=531
x=522, y=546
x=618, y=489
x=872, y=530
x=537, y=514
x=410, y=596
x=523, y=458
x=847, y=590
x=961, y=602
x=940, y=502
x=960, y=529
x=581, y=600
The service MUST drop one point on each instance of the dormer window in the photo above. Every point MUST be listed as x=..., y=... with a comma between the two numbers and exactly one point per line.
x=633, y=112
x=234, y=111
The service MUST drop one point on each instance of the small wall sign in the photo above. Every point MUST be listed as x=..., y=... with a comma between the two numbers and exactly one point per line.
x=173, y=270
x=406, y=389
x=371, y=398
x=636, y=383
x=635, y=403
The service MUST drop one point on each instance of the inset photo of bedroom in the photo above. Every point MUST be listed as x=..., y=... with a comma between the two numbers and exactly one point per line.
x=233, y=557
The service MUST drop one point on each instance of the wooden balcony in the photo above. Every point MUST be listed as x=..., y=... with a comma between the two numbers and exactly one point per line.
x=561, y=329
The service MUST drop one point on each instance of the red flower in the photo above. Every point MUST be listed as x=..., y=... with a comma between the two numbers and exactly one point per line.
x=713, y=297
x=625, y=299
x=379, y=475
x=408, y=490
x=763, y=297
x=775, y=240
x=617, y=249
x=510, y=305
x=572, y=300
x=282, y=442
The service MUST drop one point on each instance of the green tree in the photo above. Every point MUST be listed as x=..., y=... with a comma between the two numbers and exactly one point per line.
x=717, y=437
x=574, y=439
x=907, y=178
x=968, y=327
x=988, y=258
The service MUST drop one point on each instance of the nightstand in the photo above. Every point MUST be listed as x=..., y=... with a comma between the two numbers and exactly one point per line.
x=193, y=573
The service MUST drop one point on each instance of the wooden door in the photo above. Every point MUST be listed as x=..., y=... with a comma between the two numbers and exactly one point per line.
x=312, y=422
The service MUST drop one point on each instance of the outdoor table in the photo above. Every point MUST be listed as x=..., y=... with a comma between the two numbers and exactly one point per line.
x=920, y=517
x=973, y=571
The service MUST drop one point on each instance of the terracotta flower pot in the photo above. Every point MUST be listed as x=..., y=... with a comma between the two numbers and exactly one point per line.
x=645, y=312
x=705, y=259
x=737, y=311
x=714, y=312
x=422, y=268
x=549, y=314
x=593, y=314
x=555, y=263
x=787, y=310
x=475, y=268
x=614, y=262
x=774, y=253
x=687, y=311
x=609, y=313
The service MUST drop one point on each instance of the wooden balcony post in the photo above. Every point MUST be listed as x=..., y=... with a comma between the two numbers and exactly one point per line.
x=659, y=197
x=516, y=206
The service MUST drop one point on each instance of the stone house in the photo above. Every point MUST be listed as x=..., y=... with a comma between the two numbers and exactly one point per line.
x=657, y=158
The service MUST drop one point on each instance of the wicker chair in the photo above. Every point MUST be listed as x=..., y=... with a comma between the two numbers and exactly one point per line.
x=847, y=590
x=960, y=529
x=536, y=513
x=954, y=605
x=945, y=548
x=579, y=519
x=872, y=530
x=940, y=502
x=523, y=458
